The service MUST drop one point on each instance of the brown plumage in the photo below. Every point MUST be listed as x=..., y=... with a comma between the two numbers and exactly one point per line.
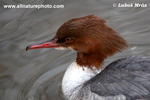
x=91, y=38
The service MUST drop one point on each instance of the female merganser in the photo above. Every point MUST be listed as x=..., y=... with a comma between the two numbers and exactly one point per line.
x=86, y=78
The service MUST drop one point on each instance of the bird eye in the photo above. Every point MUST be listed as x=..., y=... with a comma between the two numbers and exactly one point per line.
x=68, y=39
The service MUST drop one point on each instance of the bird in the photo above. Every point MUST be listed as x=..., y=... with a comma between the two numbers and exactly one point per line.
x=87, y=78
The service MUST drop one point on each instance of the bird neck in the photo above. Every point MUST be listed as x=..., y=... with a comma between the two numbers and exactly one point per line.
x=90, y=60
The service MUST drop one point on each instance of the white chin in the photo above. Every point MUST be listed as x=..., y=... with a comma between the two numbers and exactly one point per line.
x=61, y=48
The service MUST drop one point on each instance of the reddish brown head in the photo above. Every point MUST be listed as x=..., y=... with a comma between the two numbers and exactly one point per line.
x=91, y=38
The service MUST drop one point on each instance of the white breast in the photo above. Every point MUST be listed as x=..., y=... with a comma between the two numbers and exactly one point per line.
x=76, y=76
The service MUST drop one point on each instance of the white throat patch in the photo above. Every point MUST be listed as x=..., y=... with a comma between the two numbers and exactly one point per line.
x=76, y=76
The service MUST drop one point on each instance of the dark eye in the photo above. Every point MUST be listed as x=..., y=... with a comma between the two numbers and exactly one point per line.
x=68, y=40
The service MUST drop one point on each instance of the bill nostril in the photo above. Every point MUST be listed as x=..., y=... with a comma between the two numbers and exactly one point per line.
x=45, y=44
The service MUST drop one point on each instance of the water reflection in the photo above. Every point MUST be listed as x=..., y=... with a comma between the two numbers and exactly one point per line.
x=37, y=74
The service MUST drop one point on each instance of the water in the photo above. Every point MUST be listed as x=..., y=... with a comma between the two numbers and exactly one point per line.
x=37, y=74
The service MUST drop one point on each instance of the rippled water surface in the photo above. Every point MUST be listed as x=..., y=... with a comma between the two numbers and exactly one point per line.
x=37, y=74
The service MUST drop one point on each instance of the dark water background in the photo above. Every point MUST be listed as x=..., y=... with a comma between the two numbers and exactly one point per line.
x=37, y=74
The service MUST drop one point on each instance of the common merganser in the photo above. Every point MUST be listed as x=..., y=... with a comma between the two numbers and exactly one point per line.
x=86, y=78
